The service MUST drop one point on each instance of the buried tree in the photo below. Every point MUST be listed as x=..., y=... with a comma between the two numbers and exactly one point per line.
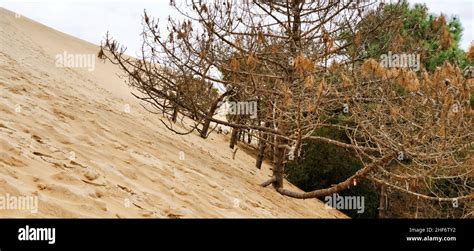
x=292, y=58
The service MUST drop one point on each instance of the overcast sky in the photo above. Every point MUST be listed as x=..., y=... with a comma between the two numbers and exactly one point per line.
x=90, y=19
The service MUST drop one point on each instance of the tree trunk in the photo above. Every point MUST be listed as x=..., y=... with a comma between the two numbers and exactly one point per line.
x=205, y=128
x=261, y=151
x=233, y=137
x=280, y=143
x=279, y=163
x=175, y=114
x=210, y=114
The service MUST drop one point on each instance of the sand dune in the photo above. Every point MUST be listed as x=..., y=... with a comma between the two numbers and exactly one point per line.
x=67, y=138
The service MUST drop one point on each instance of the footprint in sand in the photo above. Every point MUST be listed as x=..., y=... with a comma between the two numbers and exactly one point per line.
x=10, y=160
x=63, y=177
x=92, y=177
x=37, y=139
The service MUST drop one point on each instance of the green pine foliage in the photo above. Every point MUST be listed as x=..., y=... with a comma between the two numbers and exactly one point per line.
x=421, y=33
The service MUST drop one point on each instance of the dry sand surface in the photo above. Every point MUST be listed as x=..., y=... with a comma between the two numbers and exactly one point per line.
x=65, y=137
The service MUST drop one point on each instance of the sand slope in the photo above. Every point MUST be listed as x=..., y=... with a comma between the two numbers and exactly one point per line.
x=66, y=138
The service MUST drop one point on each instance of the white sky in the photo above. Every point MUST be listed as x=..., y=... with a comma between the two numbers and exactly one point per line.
x=90, y=19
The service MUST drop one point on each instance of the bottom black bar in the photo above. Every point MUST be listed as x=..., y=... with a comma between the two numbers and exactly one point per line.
x=62, y=234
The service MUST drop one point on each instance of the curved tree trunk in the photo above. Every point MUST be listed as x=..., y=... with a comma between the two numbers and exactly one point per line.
x=362, y=173
x=210, y=114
